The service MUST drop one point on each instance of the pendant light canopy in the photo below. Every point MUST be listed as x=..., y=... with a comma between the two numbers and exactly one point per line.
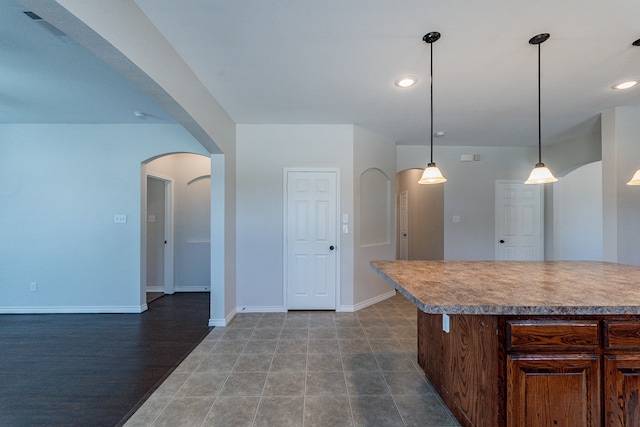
x=540, y=173
x=432, y=174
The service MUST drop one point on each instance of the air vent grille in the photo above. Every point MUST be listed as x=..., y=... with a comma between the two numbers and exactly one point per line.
x=50, y=28
x=32, y=15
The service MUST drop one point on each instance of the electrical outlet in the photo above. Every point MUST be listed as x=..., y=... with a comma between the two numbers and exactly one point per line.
x=445, y=323
x=33, y=286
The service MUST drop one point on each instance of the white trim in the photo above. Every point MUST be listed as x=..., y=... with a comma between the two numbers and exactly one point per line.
x=261, y=309
x=223, y=322
x=367, y=303
x=73, y=310
x=155, y=289
x=285, y=213
x=192, y=288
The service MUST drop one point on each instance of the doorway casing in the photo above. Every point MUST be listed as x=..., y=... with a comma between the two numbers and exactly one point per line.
x=169, y=247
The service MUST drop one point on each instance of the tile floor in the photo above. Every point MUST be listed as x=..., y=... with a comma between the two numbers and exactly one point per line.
x=302, y=369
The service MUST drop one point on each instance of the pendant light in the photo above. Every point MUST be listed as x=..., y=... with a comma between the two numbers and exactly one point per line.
x=540, y=173
x=636, y=176
x=431, y=174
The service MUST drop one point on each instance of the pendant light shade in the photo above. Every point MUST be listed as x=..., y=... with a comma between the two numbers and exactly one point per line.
x=540, y=173
x=432, y=174
x=636, y=178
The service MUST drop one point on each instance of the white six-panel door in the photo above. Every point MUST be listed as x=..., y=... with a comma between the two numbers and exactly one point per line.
x=311, y=240
x=519, y=222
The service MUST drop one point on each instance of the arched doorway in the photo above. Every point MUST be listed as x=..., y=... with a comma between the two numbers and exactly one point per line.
x=175, y=225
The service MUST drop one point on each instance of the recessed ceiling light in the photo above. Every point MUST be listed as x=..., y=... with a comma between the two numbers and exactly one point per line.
x=406, y=81
x=626, y=85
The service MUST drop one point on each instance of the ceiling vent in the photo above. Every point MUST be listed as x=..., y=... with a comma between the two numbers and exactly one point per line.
x=50, y=28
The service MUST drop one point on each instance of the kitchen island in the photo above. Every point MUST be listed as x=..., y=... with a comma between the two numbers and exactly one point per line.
x=509, y=343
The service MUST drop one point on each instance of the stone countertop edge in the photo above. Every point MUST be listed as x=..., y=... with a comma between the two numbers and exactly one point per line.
x=505, y=310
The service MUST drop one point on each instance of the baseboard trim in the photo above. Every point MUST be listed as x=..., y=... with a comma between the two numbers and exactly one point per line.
x=223, y=322
x=155, y=289
x=74, y=310
x=367, y=303
x=192, y=288
x=263, y=309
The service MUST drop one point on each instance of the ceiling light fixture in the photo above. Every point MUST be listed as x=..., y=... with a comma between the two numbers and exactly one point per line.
x=406, y=81
x=635, y=180
x=625, y=85
x=431, y=174
x=540, y=173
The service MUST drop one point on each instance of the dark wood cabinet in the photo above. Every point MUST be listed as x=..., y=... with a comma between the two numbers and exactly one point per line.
x=536, y=371
x=622, y=385
x=550, y=390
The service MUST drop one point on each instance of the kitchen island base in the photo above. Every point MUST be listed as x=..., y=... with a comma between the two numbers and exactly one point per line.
x=495, y=370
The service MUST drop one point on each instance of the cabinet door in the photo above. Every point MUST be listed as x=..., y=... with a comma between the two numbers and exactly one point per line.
x=622, y=382
x=553, y=390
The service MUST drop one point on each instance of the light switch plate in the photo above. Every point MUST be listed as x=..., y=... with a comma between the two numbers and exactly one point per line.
x=119, y=219
x=445, y=322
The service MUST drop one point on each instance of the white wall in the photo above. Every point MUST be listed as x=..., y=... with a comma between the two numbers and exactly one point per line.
x=62, y=185
x=374, y=167
x=470, y=192
x=120, y=34
x=620, y=159
x=577, y=214
x=263, y=151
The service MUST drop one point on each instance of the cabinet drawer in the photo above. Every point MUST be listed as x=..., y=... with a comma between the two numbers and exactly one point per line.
x=621, y=334
x=524, y=335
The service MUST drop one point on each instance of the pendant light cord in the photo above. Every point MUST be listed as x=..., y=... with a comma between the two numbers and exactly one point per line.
x=539, y=112
x=431, y=108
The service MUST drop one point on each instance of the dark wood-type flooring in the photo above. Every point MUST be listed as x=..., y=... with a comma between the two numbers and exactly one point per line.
x=93, y=369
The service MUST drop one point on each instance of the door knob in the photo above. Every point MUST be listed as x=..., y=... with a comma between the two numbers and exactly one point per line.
x=331, y=247
x=501, y=241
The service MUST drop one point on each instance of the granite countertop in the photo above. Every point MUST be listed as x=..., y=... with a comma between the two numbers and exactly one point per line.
x=516, y=287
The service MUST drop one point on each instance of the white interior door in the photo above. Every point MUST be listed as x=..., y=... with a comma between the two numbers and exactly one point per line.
x=311, y=240
x=155, y=234
x=159, y=232
x=404, y=226
x=519, y=221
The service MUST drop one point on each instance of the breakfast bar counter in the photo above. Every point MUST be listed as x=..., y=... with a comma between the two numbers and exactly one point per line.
x=527, y=343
